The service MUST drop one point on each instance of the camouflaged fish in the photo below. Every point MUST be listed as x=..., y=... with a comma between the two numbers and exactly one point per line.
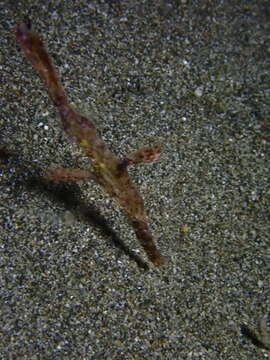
x=107, y=170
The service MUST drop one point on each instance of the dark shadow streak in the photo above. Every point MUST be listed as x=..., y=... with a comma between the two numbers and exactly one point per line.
x=251, y=335
x=69, y=196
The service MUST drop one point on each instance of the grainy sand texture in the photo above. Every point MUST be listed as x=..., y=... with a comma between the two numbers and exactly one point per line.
x=192, y=76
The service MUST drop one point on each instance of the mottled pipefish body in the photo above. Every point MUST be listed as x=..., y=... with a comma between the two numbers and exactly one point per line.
x=107, y=170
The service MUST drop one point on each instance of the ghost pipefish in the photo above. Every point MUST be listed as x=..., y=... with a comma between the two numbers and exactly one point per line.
x=107, y=170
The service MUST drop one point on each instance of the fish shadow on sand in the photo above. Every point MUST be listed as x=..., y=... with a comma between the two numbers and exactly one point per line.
x=70, y=197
